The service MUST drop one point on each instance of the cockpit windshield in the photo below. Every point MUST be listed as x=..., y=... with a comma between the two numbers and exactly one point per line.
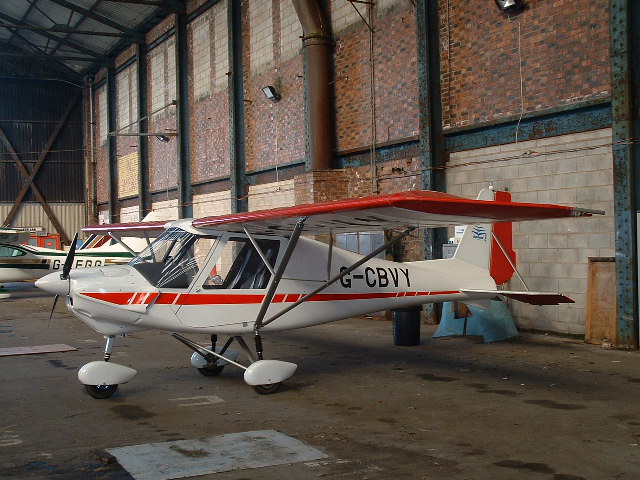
x=174, y=258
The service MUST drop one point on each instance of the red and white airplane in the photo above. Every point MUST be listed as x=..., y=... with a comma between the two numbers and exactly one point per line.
x=253, y=273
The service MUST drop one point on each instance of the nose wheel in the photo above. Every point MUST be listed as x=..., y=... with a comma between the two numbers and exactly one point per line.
x=101, y=391
x=267, y=389
x=101, y=378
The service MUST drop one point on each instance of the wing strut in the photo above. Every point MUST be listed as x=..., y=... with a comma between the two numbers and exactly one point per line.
x=504, y=251
x=275, y=280
x=259, y=250
x=339, y=276
x=124, y=245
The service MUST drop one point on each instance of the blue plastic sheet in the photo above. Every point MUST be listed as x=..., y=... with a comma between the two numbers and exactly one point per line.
x=494, y=324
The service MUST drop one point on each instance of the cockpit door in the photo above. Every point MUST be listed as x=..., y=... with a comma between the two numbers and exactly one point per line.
x=231, y=284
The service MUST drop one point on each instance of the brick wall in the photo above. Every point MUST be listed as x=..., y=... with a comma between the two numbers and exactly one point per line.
x=100, y=144
x=551, y=255
x=392, y=65
x=161, y=91
x=208, y=80
x=274, y=132
x=127, y=147
x=563, y=47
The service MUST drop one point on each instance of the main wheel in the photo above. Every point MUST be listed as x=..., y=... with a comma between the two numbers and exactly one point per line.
x=267, y=389
x=211, y=371
x=101, y=391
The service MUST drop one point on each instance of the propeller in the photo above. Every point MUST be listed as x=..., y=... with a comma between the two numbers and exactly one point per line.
x=66, y=268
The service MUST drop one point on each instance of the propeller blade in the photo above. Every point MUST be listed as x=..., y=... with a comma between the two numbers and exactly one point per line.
x=69, y=261
x=55, y=301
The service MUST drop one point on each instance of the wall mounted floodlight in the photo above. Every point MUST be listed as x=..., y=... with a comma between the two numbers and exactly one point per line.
x=271, y=93
x=163, y=138
x=509, y=5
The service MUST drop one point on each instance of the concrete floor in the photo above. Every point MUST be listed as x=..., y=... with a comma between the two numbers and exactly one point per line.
x=535, y=407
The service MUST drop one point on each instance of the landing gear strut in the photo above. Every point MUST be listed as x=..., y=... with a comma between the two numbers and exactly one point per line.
x=212, y=369
x=265, y=376
x=104, y=391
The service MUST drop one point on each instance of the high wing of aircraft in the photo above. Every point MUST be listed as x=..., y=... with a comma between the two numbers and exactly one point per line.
x=252, y=273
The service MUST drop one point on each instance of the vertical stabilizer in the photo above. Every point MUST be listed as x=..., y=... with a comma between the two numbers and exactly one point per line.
x=475, y=245
x=479, y=244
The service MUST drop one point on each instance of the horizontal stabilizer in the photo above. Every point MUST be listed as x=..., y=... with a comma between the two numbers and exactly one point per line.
x=532, y=298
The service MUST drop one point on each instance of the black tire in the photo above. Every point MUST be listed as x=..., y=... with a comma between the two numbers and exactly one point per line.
x=211, y=371
x=267, y=389
x=101, y=391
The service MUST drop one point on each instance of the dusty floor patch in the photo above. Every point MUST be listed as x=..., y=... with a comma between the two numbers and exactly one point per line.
x=59, y=347
x=234, y=451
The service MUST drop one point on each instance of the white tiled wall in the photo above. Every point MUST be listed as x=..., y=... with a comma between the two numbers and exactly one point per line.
x=221, y=46
x=271, y=195
x=552, y=255
x=261, y=38
x=201, y=54
x=211, y=204
x=344, y=14
x=291, y=30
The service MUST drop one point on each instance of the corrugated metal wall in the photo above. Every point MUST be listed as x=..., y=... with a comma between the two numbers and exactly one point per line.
x=29, y=112
x=70, y=215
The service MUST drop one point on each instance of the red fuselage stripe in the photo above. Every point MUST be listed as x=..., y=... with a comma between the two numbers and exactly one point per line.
x=137, y=298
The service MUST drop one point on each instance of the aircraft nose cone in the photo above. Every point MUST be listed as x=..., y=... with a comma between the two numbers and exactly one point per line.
x=52, y=283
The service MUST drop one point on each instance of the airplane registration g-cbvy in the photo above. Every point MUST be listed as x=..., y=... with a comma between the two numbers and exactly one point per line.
x=253, y=273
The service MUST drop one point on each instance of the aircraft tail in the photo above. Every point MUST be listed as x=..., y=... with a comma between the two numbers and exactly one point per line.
x=485, y=245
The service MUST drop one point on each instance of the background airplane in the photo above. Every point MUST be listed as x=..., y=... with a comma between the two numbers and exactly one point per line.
x=20, y=262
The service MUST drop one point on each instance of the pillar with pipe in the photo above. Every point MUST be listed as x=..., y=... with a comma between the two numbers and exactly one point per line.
x=317, y=44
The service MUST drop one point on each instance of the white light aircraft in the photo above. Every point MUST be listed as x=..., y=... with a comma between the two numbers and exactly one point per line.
x=253, y=273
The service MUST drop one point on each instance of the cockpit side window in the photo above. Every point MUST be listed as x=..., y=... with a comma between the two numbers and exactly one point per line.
x=173, y=260
x=9, y=251
x=240, y=266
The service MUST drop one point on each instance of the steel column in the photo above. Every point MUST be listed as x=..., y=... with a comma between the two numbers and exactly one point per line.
x=625, y=123
x=144, y=199
x=239, y=202
x=430, y=128
x=112, y=145
x=185, y=191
